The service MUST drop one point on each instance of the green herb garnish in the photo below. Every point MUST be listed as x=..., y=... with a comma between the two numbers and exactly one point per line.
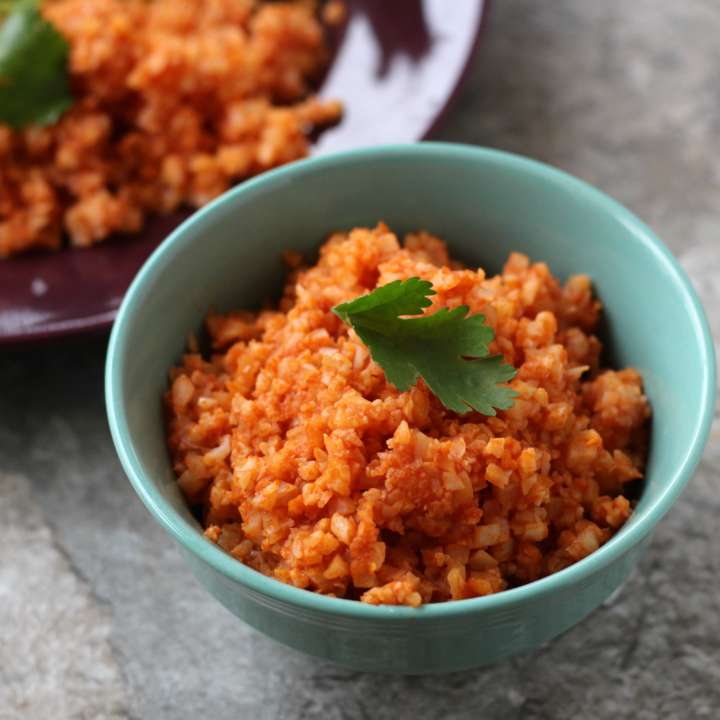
x=432, y=347
x=34, y=77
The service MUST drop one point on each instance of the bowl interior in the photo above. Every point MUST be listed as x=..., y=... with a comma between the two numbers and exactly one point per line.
x=484, y=204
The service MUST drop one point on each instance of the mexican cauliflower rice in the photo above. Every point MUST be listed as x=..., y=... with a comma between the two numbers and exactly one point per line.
x=308, y=466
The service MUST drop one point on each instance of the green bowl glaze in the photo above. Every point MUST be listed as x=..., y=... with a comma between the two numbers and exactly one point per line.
x=484, y=204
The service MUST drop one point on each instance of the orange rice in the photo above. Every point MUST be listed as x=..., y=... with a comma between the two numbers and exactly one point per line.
x=308, y=466
x=176, y=101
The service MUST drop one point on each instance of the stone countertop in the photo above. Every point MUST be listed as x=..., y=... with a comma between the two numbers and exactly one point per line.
x=99, y=617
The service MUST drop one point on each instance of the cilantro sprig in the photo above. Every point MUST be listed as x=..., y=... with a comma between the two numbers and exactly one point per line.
x=34, y=76
x=433, y=347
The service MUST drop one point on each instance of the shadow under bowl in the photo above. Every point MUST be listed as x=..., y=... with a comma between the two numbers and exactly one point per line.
x=484, y=204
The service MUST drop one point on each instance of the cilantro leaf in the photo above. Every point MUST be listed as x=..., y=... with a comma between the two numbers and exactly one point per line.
x=432, y=347
x=389, y=301
x=34, y=78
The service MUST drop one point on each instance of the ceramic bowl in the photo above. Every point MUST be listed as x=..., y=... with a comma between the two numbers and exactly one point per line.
x=484, y=204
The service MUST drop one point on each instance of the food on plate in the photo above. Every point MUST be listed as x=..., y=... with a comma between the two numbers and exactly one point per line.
x=306, y=463
x=174, y=101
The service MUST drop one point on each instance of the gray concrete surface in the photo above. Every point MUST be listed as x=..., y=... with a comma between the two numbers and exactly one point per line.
x=100, y=619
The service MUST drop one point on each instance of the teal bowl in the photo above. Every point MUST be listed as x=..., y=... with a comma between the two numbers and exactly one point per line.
x=484, y=204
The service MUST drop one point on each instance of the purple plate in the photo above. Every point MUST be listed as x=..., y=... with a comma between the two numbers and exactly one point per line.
x=396, y=68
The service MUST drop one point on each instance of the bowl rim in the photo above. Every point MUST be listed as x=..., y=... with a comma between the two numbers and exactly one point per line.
x=576, y=575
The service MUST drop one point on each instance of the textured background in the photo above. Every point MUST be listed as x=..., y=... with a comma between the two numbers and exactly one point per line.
x=100, y=619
